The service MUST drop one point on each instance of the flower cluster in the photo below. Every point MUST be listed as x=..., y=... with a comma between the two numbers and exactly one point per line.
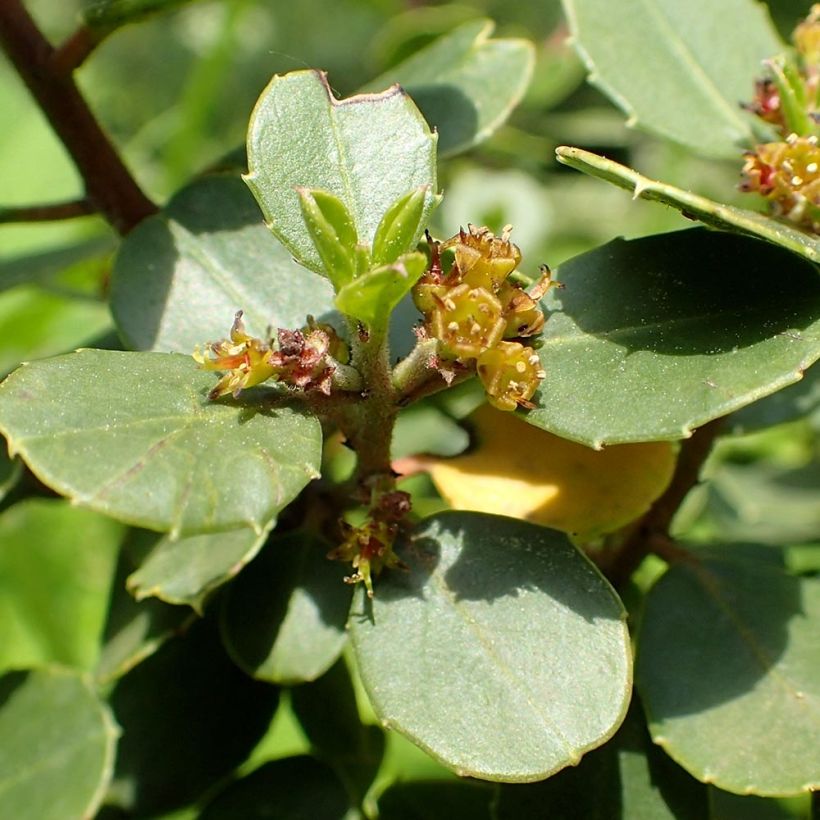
x=369, y=547
x=786, y=172
x=474, y=310
x=304, y=359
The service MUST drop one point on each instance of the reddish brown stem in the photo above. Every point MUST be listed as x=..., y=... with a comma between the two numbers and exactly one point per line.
x=47, y=213
x=653, y=530
x=109, y=185
x=74, y=51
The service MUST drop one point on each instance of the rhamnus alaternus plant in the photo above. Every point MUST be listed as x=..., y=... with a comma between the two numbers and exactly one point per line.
x=572, y=579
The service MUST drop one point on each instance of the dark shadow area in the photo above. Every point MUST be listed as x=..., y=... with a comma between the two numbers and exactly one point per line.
x=689, y=293
x=10, y=682
x=258, y=600
x=475, y=556
x=449, y=110
x=714, y=627
x=193, y=207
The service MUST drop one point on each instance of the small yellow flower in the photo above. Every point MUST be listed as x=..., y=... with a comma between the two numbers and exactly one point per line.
x=510, y=374
x=243, y=358
x=483, y=259
x=467, y=321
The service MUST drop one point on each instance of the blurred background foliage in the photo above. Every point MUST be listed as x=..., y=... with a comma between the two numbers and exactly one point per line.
x=175, y=92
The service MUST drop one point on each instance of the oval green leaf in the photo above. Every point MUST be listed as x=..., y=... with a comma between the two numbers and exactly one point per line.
x=57, y=564
x=133, y=436
x=465, y=83
x=57, y=744
x=702, y=58
x=188, y=570
x=181, y=275
x=653, y=337
x=727, y=668
x=367, y=150
x=693, y=206
x=502, y=652
x=283, y=621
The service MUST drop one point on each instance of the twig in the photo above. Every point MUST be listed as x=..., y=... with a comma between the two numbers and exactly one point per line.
x=48, y=213
x=74, y=51
x=653, y=530
x=109, y=185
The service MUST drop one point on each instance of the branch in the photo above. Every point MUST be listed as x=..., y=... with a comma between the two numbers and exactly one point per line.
x=74, y=51
x=47, y=213
x=109, y=186
x=654, y=527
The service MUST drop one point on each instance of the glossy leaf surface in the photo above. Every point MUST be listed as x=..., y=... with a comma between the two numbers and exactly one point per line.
x=502, y=652
x=652, y=337
x=367, y=150
x=702, y=59
x=133, y=436
x=181, y=275
x=727, y=669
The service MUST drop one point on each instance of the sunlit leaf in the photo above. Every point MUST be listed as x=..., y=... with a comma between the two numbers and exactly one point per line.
x=181, y=275
x=502, y=652
x=367, y=150
x=727, y=669
x=653, y=337
x=132, y=435
x=678, y=70
x=693, y=206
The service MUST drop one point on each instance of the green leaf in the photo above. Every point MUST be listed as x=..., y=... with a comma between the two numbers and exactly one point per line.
x=56, y=746
x=702, y=58
x=399, y=228
x=135, y=630
x=652, y=337
x=107, y=15
x=293, y=787
x=331, y=228
x=367, y=150
x=423, y=428
x=57, y=564
x=35, y=323
x=799, y=400
x=189, y=718
x=465, y=83
x=627, y=778
x=503, y=652
x=133, y=436
x=328, y=714
x=693, y=206
x=181, y=275
x=188, y=570
x=727, y=669
x=283, y=621
x=372, y=297
x=437, y=800
x=728, y=806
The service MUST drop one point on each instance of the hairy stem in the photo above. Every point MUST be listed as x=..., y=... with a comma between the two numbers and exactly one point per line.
x=653, y=529
x=109, y=186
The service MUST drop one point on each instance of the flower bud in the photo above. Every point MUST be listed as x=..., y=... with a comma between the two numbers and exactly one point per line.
x=510, y=373
x=483, y=259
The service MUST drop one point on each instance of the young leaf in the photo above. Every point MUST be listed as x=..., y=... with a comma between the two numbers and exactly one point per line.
x=465, y=83
x=284, y=620
x=711, y=213
x=704, y=57
x=653, y=337
x=520, y=471
x=180, y=276
x=727, y=669
x=57, y=742
x=372, y=297
x=502, y=652
x=400, y=227
x=133, y=435
x=331, y=228
x=367, y=150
